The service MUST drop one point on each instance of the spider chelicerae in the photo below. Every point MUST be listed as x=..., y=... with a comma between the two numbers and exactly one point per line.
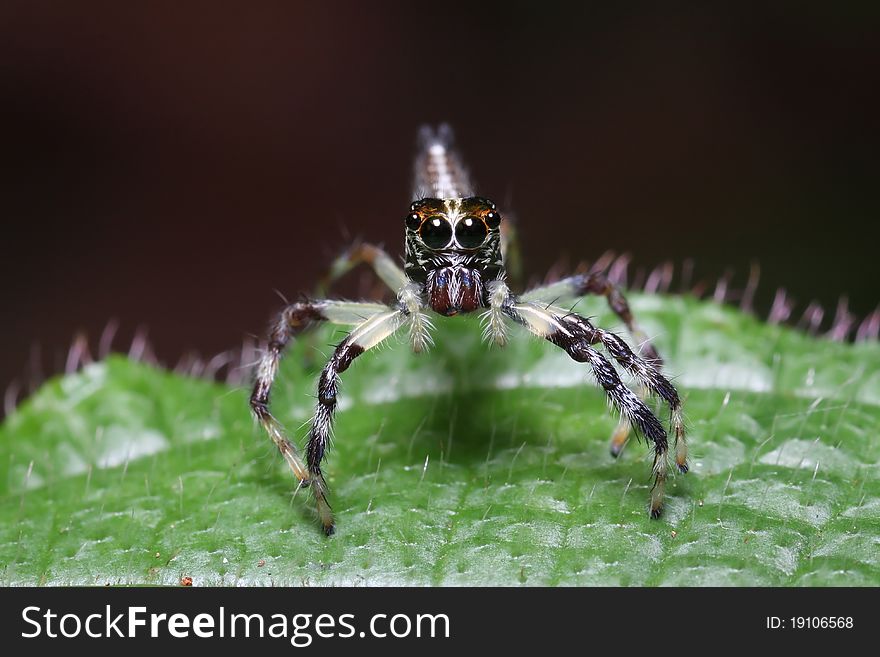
x=454, y=263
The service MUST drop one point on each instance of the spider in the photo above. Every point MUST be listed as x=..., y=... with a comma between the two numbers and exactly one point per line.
x=454, y=263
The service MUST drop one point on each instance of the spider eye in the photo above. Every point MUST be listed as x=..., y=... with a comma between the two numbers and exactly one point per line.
x=471, y=232
x=493, y=219
x=413, y=221
x=435, y=232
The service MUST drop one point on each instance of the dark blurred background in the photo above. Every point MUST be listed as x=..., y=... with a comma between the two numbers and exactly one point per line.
x=171, y=164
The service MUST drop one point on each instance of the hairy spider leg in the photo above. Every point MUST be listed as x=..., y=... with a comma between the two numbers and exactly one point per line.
x=621, y=433
x=645, y=372
x=291, y=321
x=365, y=336
x=576, y=336
x=597, y=283
x=375, y=257
x=409, y=294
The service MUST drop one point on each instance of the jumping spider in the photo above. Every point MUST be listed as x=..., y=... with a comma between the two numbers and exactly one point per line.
x=454, y=264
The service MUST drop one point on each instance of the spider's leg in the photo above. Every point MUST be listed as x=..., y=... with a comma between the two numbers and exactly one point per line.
x=381, y=263
x=621, y=433
x=364, y=336
x=556, y=326
x=293, y=319
x=646, y=373
x=360, y=253
x=599, y=284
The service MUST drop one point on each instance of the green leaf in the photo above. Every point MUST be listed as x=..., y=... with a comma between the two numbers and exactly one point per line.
x=466, y=465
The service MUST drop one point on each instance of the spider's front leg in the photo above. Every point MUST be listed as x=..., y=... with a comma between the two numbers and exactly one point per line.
x=598, y=283
x=577, y=336
x=292, y=320
x=363, y=337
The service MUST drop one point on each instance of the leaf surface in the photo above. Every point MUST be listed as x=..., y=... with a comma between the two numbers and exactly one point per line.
x=468, y=465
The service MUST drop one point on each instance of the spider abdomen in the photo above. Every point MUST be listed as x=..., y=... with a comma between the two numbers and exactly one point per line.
x=455, y=289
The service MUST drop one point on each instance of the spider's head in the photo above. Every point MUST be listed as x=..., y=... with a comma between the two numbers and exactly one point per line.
x=452, y=245
x=459, y=229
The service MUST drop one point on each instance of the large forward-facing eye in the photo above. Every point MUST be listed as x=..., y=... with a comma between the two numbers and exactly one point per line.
x=436, y=232
x=471, y=232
